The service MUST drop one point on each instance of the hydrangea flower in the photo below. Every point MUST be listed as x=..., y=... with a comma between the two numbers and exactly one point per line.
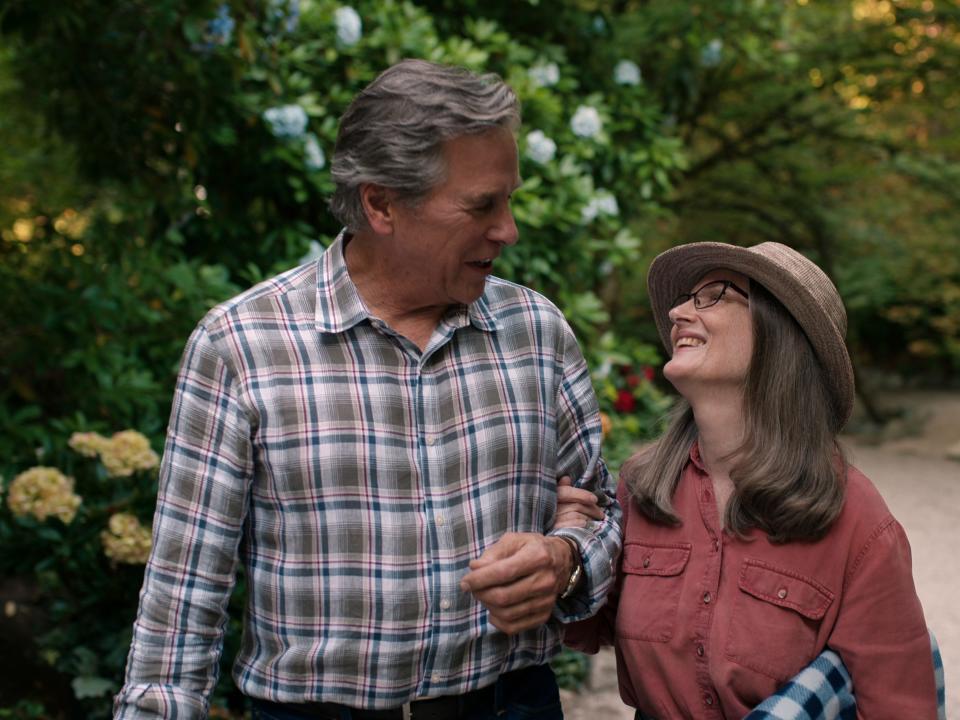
x=602, y=203
x=626, y=72
x=540, y=148
x=125, y=540
x=313, y=155
x=127, y=452
x=286, y=121
x=220, y=29
x=586, y=122
x=286, y=12
x=43, y=492
x=349, y=26
x=544, y=74
x=712, y=53
x=88, y=444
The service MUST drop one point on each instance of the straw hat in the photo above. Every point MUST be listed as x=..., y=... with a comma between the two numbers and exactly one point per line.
x=802, y=287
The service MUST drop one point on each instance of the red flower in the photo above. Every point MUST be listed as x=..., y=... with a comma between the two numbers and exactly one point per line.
x=625, y=402
x=649, y=373
x=632, y=380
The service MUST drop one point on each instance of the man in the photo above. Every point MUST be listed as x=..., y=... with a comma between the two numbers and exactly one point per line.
x=376, y=437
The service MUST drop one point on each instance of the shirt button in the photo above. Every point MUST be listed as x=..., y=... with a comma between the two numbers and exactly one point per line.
x=707, y=597
x=646, y=562
x=707, y=700
x=431, y=440
x=440, y=519
x=716, y=545
x=445, y=604
x=782, y=593
x=435, y=677
x=699, y=650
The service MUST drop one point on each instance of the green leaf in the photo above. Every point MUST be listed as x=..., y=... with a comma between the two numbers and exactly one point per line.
x=91, y=687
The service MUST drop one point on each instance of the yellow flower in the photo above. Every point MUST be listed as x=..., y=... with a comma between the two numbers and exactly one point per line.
x=126, y=540
x=126, y=452
x=606, y=424
x=42, y=492
x=88, y=444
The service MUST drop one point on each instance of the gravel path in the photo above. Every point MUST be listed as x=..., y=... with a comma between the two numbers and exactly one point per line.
x=922, y=488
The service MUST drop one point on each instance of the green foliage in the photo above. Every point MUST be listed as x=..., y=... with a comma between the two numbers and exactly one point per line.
x=571, y=668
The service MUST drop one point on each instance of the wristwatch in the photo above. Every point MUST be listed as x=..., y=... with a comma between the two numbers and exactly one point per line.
x=577, y=573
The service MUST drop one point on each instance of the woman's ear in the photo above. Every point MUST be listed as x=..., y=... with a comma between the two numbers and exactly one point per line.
x=378, y=205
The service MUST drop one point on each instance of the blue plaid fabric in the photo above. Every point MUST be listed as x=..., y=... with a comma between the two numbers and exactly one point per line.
x=823, y=691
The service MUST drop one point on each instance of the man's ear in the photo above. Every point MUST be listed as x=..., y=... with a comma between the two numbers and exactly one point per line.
x=378, y=205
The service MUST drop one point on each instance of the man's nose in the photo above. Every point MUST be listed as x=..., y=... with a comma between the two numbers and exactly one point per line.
x=505, y=230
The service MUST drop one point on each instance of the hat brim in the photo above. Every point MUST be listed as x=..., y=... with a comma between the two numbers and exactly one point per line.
x=797, y=283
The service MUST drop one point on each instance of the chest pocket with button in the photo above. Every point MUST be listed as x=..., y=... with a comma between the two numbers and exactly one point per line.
x=775, y=620
x=652, y=581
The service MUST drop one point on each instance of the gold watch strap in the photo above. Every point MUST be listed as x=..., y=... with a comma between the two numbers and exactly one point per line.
x=577, y=573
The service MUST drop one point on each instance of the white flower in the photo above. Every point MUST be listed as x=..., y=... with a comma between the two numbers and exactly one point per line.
x=286, y=121
x=586, y=122
x=544, y=74
x=712, y=53
x=540, y=148
x=349, y=25
x=626, y=72
x=602, y=203
x=314, y=158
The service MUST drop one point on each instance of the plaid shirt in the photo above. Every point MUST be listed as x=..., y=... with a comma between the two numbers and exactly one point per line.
x=354, y=477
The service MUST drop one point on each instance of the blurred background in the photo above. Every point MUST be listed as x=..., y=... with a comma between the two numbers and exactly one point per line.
x=158, y=157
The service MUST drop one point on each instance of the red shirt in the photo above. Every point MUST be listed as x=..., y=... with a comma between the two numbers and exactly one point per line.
x=707, y=625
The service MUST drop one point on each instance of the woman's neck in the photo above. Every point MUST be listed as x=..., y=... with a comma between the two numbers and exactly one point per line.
x=720, y=427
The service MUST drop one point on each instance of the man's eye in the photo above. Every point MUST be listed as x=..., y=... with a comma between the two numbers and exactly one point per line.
x=486, y=206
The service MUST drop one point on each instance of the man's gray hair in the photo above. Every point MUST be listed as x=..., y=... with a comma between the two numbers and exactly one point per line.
x=392, y=133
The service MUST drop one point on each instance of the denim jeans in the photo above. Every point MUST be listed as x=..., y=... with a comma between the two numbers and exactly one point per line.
x=531, y=694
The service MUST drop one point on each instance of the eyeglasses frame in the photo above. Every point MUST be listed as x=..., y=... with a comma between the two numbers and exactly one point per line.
x=684, y=297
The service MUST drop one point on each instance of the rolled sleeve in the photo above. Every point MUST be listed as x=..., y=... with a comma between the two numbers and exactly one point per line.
x=579, y=443
x=201, y=505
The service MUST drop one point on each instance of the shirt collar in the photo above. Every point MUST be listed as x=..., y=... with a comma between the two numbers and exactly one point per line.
x=696, y=459
x=340, y=307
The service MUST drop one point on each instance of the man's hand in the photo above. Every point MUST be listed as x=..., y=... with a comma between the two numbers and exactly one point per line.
x=575, y=507
x=518, y=579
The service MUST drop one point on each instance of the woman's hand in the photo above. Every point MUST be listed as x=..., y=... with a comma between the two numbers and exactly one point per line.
x=575, y=507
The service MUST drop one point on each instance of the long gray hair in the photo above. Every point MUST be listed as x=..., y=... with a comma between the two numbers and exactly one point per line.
x=789, y=479
x=392, y=133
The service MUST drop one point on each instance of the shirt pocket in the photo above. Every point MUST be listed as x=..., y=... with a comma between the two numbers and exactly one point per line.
x=776, y=620
x=652, y=580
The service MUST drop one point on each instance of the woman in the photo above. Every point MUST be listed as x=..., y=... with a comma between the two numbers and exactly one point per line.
x=749, y=543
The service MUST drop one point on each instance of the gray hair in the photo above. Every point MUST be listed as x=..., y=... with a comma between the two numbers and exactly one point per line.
x=790, y=475
x=392, y=133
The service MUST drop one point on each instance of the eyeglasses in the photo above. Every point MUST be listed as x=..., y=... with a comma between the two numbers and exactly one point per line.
x=707, y=296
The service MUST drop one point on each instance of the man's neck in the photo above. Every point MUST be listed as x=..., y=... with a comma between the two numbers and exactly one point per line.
x=389, y=295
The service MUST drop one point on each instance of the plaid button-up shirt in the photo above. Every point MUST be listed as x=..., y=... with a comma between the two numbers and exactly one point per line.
x=354, y=477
